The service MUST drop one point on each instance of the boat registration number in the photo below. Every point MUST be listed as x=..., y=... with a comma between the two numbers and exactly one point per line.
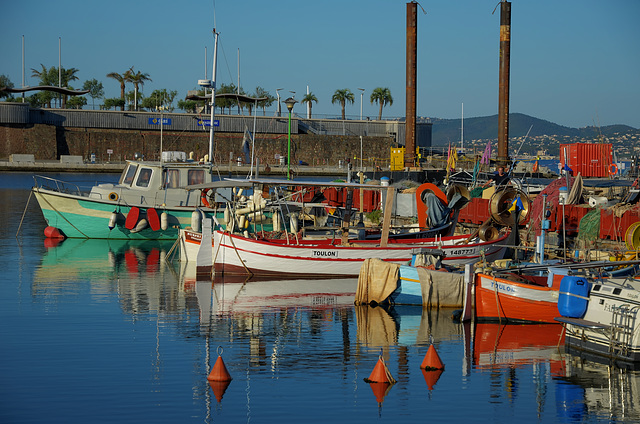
x=461, y=252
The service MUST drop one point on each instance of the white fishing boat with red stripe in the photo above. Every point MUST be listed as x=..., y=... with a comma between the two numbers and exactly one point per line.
x=235, y=254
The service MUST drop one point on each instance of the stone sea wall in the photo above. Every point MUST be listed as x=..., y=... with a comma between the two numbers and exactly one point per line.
x=49, y=142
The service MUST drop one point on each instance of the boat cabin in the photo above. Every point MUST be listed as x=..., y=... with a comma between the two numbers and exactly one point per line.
x=152, y=183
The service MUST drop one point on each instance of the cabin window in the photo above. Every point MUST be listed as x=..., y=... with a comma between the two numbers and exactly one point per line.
x=144, y=177
x=127, y=176
x=196, y=176
x=172, y=179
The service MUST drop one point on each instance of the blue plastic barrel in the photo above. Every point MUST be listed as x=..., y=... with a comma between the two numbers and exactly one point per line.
x=574, y=296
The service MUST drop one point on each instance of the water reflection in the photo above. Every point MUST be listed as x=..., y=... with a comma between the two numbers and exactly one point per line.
x=310, y=330
x=588, y=388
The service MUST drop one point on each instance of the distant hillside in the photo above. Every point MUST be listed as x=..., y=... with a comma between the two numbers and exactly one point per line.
x=486, y=128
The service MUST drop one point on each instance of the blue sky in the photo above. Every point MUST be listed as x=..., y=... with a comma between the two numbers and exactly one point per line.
x=573, y=62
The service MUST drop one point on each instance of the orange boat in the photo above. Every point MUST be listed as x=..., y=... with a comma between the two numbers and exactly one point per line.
x=511, y=297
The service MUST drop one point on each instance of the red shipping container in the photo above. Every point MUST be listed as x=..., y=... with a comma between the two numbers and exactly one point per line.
x=588, y=159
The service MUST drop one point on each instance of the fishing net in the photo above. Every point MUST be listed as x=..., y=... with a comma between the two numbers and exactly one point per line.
x=476, y=192
x=589, y=227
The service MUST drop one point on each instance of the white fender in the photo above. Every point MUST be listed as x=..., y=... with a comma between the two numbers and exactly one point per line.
x=164, y=221
x=251, y=208
x=113, y=220
x=243, y=220
x=196, y=220
x=293, y=224
x=227, y=214
x=141, y=225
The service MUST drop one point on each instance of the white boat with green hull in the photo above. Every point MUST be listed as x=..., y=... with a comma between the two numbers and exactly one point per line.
x=148, y=202
x=151, y=200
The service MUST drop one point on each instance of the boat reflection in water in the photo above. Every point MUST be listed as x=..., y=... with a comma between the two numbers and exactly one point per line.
x=589, y=388
x=279, y=336
x=73, y=260
x=513, y=345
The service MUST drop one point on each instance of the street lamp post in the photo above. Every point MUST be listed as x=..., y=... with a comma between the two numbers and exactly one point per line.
x=361, y=94
x=289, y=102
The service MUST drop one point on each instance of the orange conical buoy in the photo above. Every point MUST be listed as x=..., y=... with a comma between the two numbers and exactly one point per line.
x=380, y=390
x=219, y=387
x=431, y=377
x=380, y=373
x=431, y=360
x=219, y=371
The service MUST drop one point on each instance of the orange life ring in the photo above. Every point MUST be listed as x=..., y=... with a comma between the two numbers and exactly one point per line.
x=613, y=169
x=204, y=199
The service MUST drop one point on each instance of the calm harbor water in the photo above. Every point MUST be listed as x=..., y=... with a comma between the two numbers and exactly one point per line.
x=107, y=331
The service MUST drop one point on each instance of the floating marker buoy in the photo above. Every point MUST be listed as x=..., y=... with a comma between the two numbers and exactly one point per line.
x=54, y=233
x=219, y=371
x=164, y=221
x=113, y=220
x=380, y=373
x=431, y=377
x=431, y=360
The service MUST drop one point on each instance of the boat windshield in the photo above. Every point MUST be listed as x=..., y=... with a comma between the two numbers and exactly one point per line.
x=127, y=175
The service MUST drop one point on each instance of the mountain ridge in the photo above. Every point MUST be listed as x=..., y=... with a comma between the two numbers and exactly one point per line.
x=445, y=131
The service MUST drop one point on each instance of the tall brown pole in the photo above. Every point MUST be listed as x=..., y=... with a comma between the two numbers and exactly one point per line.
x=412, y=76
x=503, y=98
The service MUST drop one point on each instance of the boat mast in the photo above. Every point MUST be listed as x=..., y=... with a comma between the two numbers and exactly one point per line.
x=213, y=93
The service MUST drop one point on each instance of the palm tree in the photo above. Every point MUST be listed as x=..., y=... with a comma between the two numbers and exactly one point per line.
x=261, y=92
x=66, y=76
x=54, y=76
x=138, y=79
x=46, y=77
x=342, y=96
x=382, y=96
x=122, y=79
x=310, y=98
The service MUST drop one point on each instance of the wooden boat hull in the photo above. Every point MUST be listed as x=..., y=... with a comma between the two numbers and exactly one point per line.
x=237, y=254
x=503, y=300
x=82, y=217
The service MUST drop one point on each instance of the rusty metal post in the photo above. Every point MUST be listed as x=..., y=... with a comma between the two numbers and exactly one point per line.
x=503, y=96
x=412, y=76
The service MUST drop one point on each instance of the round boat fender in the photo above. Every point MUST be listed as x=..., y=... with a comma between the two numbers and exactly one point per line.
x=613, y=169
x=113, y=196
